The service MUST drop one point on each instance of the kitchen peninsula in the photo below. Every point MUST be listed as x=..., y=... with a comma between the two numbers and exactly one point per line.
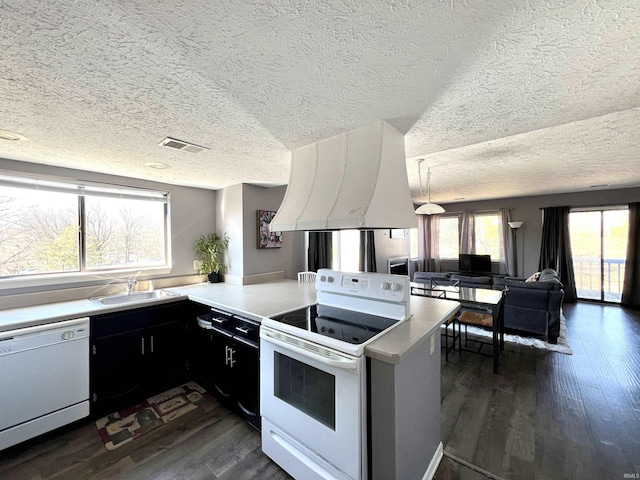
x=405, y=362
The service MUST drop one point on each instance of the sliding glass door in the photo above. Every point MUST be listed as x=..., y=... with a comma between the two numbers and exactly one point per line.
x=599, y=248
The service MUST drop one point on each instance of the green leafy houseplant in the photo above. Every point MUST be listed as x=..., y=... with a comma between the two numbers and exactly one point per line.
x=211, y=249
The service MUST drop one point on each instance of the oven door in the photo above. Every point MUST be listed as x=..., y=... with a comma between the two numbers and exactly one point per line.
x=313, y=407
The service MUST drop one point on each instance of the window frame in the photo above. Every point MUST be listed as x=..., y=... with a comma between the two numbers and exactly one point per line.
x=83, y=189
x=449, y=216
x=488, y=213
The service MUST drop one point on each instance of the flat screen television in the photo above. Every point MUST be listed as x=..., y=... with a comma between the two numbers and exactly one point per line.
x=469, y=263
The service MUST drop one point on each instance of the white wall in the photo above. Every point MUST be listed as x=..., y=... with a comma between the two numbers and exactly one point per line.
x=229, y=220
x=236, y=215
x=290, y=257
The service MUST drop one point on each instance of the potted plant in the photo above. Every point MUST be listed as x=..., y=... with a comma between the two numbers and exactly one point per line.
x=211, y=249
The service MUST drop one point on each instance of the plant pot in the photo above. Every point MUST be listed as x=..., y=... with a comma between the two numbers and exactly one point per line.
x=214, y=277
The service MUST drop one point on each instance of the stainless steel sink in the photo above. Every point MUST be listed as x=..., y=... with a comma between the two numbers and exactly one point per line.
x=133, y=297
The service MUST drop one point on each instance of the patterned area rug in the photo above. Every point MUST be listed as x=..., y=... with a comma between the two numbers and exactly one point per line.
x=124, y=426
x=537, y=342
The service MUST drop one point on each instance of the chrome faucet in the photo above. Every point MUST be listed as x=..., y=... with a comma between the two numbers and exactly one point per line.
x=131, y=281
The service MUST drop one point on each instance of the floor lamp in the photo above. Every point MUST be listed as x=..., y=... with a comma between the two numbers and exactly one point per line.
x=514, y=231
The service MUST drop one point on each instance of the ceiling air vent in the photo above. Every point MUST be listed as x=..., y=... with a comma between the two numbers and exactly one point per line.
x=181, y=145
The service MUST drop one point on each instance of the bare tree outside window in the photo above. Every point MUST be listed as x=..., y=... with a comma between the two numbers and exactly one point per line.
x=124, y=232
x=41, y=233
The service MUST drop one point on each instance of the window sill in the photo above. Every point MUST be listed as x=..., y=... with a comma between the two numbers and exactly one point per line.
x=41, y=283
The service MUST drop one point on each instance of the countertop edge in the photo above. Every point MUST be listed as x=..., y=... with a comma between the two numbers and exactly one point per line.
x=397, y=344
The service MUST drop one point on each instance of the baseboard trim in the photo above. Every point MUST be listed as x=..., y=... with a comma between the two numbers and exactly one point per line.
x=435, y=462
x=253, y=279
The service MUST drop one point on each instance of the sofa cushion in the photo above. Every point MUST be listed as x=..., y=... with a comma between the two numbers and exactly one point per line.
x=500, y=282
x=473, y=282
x=549, y=275
x=424, y=277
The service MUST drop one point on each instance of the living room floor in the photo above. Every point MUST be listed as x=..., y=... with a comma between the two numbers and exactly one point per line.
x=549, y=415
x=544, y=416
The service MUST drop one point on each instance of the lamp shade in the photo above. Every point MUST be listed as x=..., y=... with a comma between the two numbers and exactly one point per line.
x=515, y=225
x=429, y=209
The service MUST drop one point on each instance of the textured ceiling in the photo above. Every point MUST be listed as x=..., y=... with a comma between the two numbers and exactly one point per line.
x=502, y=99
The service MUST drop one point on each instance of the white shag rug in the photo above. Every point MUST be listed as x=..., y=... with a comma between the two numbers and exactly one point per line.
x=561, y=347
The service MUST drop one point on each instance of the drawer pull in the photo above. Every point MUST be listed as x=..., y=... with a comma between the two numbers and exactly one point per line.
x=244, y=331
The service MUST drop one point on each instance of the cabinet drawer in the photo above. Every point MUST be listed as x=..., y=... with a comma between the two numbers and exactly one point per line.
x=247, y=329
x=220, y=319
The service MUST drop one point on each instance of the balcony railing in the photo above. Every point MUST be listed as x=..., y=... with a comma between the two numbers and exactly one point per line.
x=588, y=278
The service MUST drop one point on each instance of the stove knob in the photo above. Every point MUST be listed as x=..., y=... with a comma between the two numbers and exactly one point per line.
x=330, y=279
x=323, y=278
x=395, y=287
x=385, y=285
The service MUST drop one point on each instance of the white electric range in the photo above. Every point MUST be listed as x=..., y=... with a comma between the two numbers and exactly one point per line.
x=313, y=373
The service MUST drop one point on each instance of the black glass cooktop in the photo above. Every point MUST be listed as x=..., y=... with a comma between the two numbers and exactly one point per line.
x=346, y=325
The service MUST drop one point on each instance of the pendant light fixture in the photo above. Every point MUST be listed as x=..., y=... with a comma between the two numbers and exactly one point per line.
x=427, y=208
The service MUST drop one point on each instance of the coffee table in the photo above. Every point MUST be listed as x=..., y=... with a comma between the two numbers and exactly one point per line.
x=478, y=300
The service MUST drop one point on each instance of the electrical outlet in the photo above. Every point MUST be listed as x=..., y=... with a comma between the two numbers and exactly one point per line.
x=432, y=344
x=197, y=264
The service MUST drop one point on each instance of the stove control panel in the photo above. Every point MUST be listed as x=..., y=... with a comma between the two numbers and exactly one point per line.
x=380, y=286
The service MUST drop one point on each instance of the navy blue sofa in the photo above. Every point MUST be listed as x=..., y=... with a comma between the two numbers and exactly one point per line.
x=531, y=307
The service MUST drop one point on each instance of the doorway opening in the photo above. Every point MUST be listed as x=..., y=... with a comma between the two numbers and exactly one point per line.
x=599, y=249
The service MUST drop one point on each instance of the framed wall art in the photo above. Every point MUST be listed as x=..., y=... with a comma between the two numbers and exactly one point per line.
x=267, y=238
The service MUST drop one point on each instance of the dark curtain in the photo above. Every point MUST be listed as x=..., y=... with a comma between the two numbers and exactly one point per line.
x=555, y=251
x=428, y=252
x=631, y=287
x=367, y=251
x=320, y=250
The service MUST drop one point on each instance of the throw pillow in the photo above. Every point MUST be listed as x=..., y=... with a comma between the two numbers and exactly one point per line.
x=533, y=278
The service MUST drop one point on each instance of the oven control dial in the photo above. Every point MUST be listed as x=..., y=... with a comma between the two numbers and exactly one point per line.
x=395, y=287
x=323, y=278
x=385, y=286
x=330, y=279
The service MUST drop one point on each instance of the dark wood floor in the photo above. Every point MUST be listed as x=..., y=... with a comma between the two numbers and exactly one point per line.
x=544, y=416
x=548, y=415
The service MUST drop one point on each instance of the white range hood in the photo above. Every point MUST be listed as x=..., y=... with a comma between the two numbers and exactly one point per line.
x=356, y=180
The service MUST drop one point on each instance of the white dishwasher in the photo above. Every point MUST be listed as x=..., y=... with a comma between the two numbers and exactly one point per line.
x=44, y=379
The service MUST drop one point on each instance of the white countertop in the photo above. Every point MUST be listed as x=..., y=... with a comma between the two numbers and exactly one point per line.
x=255, y=302
x=427, y=314
x=252, y=301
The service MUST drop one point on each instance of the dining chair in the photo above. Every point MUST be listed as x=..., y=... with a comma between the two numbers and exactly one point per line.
x=306, y=277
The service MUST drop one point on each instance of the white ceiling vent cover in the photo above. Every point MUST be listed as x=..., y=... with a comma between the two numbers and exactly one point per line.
x=355, y=180
x=181, y=145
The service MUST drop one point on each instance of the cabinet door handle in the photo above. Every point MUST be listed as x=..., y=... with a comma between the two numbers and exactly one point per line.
x=242, y=330
x=151, y=343
x=217, y=320
x=142, y=344
x=228, y=360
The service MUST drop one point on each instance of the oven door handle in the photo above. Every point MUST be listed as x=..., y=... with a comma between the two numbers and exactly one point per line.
x=338, y=361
